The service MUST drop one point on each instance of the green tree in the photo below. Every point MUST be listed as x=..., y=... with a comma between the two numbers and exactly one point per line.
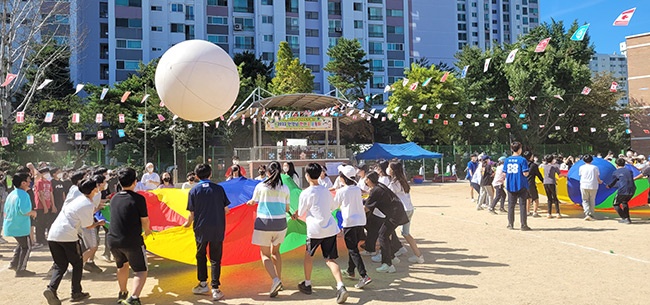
x=291, y=76
x=348, y=68
x=252, y=66
x=405, y=105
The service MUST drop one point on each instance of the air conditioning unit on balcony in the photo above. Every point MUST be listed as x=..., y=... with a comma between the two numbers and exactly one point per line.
x=338, y=29
x=238, y=27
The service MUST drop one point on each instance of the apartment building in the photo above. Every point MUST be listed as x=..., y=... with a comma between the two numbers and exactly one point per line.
x=638, y=71
x=616, y=64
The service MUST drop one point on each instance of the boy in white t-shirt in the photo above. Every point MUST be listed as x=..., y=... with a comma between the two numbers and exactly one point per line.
x=348, y=198
x=317, y=205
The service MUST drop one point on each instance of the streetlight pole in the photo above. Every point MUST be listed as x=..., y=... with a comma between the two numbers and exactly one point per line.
x=204, y=161
x=144, y=159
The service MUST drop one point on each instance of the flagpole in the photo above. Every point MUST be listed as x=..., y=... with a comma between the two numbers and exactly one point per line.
x=204, y=161
x=144, y=159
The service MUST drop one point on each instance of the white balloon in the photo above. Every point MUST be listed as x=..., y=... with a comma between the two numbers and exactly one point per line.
x=197, y=80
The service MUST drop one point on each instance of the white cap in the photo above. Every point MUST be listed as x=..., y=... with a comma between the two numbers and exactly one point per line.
x=348, y=171
x=149, y=164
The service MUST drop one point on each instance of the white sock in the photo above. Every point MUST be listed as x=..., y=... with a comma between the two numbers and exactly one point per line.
x=307, y=283
x=204, y=284
x=134, y=297
x=339, y=285
x=276, y=279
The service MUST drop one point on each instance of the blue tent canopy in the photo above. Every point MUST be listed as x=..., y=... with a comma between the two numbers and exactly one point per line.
x=406, y=151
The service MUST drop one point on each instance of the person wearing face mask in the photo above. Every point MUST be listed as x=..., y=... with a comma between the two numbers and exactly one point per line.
x=167, y=181
x=235, y=161
x=44, y=205
x=150, y=179
x=191, y=181
x=58, y=189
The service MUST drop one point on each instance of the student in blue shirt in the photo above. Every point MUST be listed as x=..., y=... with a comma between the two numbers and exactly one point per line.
x=516, y=169
x=208, y=206
x=471, y=169
x=17, y=222
x=623, y=179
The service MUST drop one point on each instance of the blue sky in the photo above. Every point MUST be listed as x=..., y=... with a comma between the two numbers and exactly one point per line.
x=600, y=14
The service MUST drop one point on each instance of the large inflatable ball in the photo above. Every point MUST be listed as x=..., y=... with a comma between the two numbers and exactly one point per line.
x=197, y=80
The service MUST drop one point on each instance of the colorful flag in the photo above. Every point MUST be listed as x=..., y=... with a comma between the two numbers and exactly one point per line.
x=100, y=134
x=524, y=126
x=10, y=78
x=104, y=92
x=162, y=104
x=43, y=84
x=511, y=98
x=464, y=72
x=468, y=115
x=559, y=97
x=628, y=131
x=646, y=131
x=161, y=117
x=507, y=125
x=55, y=138
x=522, y=115
x=486, y=66
x=77, y=136
x=121, y=118
x=49, y=117
x=613, y=87
x=216, y=124
x=511, y=56
x=533, y=97
x=624, y=18
x=445, y=122
x=174, y=117
x=580, y=33
x=99, y=118
x=581, y=114
x=77, y=90
x=75, y=118
x=610, y=129
x=414, y=86
x=430, y=121
x=439, y=106
x=424, y=107
x=436, y=116
x=30, y=139
x=585, y=91
x=383, y=119
x=125, y=96
x=405, y=82
x=453, y=115
x=557, y=127
x=541, y=126
x=415, y=120
x=444, y=77
x=541, y=46
x=503, y=115
x=476, y=124
x=121, y=133
x=575, y=129
x=602, y=115
x=20, y=117
x=145, y=98
x=491, y=124
x=460, y=123
x=387, y=88
x=486, y=115
x=4, y=141
x=140, y=118
x=426, y=82
x=593, y=129
x=420, y=116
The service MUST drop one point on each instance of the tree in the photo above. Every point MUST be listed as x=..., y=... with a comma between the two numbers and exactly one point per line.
x=27, y=31
x=405, y=105
x=291, y=76
x=348, y=68
x=252, y=67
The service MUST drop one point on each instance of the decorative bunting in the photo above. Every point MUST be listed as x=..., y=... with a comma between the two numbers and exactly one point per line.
x=460, y=123
x=121, y=118
x=646, y=131
x=10, y=78
x=387, y=88
x=580, y=33
x=464, y=72
x=125, y=96
x=533, y=98
x=522, y=115
x=78, y=89
x=55, y=138
x=624, y=18
x=511, y=98
x=476, y=124
x=557, y=127
x=445, y=122
x=613, y=87
x=439, y=106
x=103, y=95
x=541, y=126
x=503, y=115
x=507, y=125
x=161, y=117
x=575, y=129
x=426, y=82
x=592, y=129
x=77, y=136
x=99, y=118
x=585, y=91
x=524, y=126
x=491, y=124
x=216, y=124
x=30, y=139
x=162, y=104
x=414, y=86
x=100, y=134
x=140, y=117
x=436, y=116
x=559, y=97
x=486, y=66
x=628, y=131
x=49, y=117
x=511, y=56
x=75, y=118
x=424, y=107
x=121, y=133
x=541, y=46
x=20, y=117
x=405, y=82
x=444, y=77
x=43, y=84
x=4, y=141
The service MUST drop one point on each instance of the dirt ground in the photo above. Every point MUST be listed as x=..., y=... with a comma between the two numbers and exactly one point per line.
x=471, y=258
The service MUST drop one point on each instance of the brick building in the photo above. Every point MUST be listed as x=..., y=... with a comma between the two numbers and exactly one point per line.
x=638, y=70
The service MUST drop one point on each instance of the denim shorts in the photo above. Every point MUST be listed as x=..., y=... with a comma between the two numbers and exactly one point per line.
x=406, y=228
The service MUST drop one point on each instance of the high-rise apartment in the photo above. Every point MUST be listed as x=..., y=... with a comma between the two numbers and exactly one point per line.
x=615, y=64
x=441, y=28
x=122, y=33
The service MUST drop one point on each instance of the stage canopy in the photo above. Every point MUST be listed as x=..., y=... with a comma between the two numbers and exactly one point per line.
x=406, y=151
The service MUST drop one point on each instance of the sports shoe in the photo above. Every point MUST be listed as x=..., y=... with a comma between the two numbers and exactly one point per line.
x=628, y=221
x=396, y=260
x=510, y=227
x=479, y=208
x=401, y=251
x=349, y=275
x=51, y=297
x=217, y=294
x=25, y=273
x=622, y=220
x=275, y=288
x=107, y=258
x=131, y=301
x=121, y=296
x=386, y=269
x=304, y=288
x=503, y=210
x=79, y=296
x=92, y=268
x=363, y=282
x=550, y=216
x=201, y=289
x=536, y=215
x=559, y=216
x=3, y=241
x=376, y=258
x=526, y=228
x=589, y=218
x=417, y=259
x=366, y=253
x=37, y=246
x=491, y=211
x=341, y=295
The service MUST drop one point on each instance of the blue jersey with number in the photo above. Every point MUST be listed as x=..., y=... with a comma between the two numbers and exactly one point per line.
x=515, y=167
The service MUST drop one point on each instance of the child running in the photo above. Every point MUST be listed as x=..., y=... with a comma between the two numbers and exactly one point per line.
x=272, y=199
x=348, y=198
x=317, y=205
x=623, y=179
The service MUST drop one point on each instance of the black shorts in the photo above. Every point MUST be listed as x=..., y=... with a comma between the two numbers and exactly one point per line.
x=352, y=236
x=327, y=246
x=622, y=199
x=532, y=192
x=136, y=257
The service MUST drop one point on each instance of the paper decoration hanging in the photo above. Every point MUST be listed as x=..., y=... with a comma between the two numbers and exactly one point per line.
x=405, y=82
x=503, y=115
x=79, y=88
x=125, y=96
x=541, y=46
x=162, y=104
x=383, y=119
x=585, y=91
x=103, y=95
x=464, y=73
x=613, y=87
x=468, y=115
x=426, y=82
x=522, y=115
x=387, y=88
x=216, y=124
x=575, y=129
x=511, y=98
x=43, y=84
x=476, y=124
x=593, y=129
x=439, y=106
x=436, y=116
x=100, y=134
x=580, y=33
x=140, y=117
x=121, y=118
x=30, y=139
x=557, y=128
x=49, y=117
x=524, y=126
x=445, y=122
x=491, y=124
x=541, y=126
x=77, y=136
x=507, y=125
x=4, y=141
x=99, y=118
x=121, y=133
x=444, y=77
x=55, y=138
x=602, y=115
x=460, y=123
x=161, y=117
x=646, y=131
x=559, y=97
x=414, y=86
x=533, y=97
x=415, y=120
x=486, y=65
x=75, y=118
x=628, y=131
x=511, y=57
x=10, y=78
x=624, y=18
x=430, y=121
x=424, y=107
x=20, y=117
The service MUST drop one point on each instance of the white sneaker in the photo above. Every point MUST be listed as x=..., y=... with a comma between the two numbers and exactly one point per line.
x=417, y=259
x=386, y=269
x=201, y=289
x=401, y=251
x=3, y=241
x=275, y=288
x=396, y=260
x=376, y=258
x=366, y=253
x=217, y=295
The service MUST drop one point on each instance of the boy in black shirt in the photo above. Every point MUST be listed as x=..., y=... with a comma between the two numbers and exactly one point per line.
x=128, y=219
x=624, y=181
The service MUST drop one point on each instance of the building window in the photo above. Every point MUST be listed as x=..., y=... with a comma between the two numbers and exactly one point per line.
x=462, y=17
x=61, y=19
x=395, y=13
x=267, y=19
x=291, y=6
x=218, y=39
x=311, y=33
x=375, y=30
x=177, y=7
x=395, y=29
x=154, y=8
x=103, y=51
x=128, y=65
x=358, y=6
x=313, y=68
x=375, y=48
x=377, y=82
x=333, y=41
x=335, y=26
x=268, y=56
x=461, y=45
x=293, y=41
x=268, y=38
x=217, y=20
x=460, y=7
x=189, y=32
x=243, y=6
x=375, y=13
x=395, y=63
x=245, y=23
x=134, y=3
x=128, y=23
x=462, y=36
x=395, y=47
x=334, y=8
x=311, y=15
x=103, y=10
x=267, y=2
x=312, y=50
x=156, y=29
x=218, y=2
x=292, y=24
x=103, y=30
x=376, y=1
x=189, y=12
x=462, y=27
x=103, y=71
x=358, y=24
x=377, y=65
x=128, y=44
x=244, y=42
x=177, y=28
